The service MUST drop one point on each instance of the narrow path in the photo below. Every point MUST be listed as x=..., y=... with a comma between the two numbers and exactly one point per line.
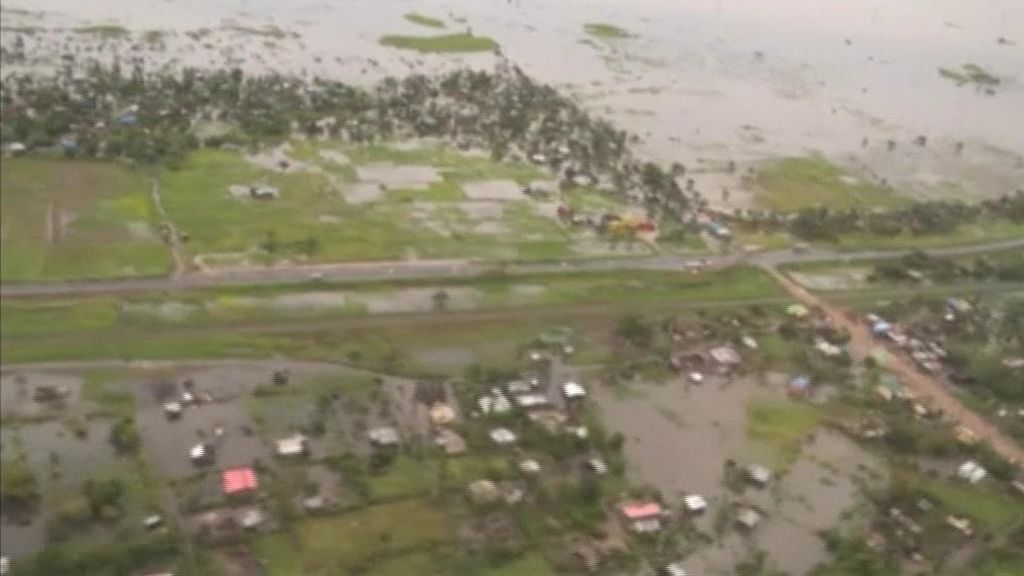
x=924, y=385
x=168, y=232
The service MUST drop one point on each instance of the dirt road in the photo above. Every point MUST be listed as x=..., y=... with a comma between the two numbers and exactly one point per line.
x=924, y=385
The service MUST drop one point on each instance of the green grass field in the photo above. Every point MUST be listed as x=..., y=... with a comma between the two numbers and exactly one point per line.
x=353, y=541
x=312, y=211
x=993, y=510
x=64, y=219
x=423, y=20
x=794, y=183
x=781, y=427
x=445, y=44
x=605, y=31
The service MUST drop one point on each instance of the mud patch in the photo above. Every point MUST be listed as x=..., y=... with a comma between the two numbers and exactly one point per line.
x=391, y=176
x=363, y=193
x=501, y=190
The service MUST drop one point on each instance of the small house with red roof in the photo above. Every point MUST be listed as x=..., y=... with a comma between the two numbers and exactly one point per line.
x=642, y=517
x=238, y=480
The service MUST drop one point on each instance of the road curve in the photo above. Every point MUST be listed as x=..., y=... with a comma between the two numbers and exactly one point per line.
x=437, y=270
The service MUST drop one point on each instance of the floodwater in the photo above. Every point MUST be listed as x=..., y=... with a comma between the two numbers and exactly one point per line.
x=678, y=438
x=703, y=82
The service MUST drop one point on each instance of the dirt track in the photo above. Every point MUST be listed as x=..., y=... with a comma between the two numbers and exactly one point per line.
x=924, y=385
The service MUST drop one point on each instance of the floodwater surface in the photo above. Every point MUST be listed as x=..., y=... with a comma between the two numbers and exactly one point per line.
x=702, y=82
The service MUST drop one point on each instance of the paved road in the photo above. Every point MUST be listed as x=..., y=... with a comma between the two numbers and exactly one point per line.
x=433, y=270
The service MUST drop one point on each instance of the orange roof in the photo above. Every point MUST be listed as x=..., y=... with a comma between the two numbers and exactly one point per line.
x=236, y=480
x=640, y=510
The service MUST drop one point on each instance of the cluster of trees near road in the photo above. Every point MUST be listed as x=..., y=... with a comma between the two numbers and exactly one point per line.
x=928, y=217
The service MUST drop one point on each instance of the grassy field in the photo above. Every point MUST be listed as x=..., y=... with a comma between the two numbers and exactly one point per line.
x=423, y=20
x=445, y=44
x=781, y=427
x=354, y=541
x=794, y=183
x=415, y=345
x=311, y=220
x=994, y=511
x=606, y=31
x=39, y=318
x=66, y=219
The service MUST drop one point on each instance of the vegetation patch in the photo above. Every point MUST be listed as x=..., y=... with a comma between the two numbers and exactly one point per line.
x=350, y=542
x=995, y=511
x=606, y=31
x=448, y=43
x=422, y=20
x=109, y=31
x=970, y=74
x=795, y=183
x=782, y=427
x=64, y=219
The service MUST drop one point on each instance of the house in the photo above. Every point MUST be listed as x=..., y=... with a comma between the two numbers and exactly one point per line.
x=152, y=521
x=642, y=517
x=827, y=348
x=965, y=435
x=573, y=391
x=295, y=445
x=527, y=401
x=260, y=192
x=250, y=518
x=695, y=503
x=496, y=403
x=963, y=525
x=674, y=569
x=17, y=148
x=1018, y=485
x=759, y=475
x=597, y=466
x=172, y=410
x=529, y=467
x=200, y=453
x=519, y=387
x=881, y=328
x=442, y=414
x=503, y=436
x=748, y=518
x=798, y=385
x=483, y=491
x=971, y=471
x=384, y=437
x=450, y=441
x=238, y=480
x=314, y=503
x=725, y=356
x=959, y=305
x=797, y=311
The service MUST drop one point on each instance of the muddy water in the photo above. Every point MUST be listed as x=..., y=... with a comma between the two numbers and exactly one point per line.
x=678, y=438
x=703, y=82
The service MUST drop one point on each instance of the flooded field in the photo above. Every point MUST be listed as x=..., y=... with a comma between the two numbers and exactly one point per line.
x=855, y=82
x=680, y=438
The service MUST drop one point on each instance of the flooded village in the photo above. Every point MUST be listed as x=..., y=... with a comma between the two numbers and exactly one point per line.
x=511, y=289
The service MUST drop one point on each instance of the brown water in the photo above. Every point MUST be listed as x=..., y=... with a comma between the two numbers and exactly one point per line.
x=679, y=437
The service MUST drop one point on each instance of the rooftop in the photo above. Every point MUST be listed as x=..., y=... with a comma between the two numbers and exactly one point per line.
x=235, y=480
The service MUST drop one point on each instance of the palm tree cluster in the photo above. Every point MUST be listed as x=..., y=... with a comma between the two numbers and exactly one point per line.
x=105, y=111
